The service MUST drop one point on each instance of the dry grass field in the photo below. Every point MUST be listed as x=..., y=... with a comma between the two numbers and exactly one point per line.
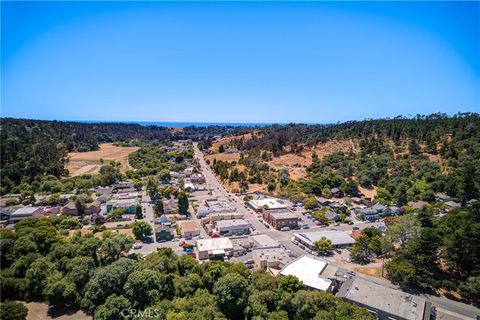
x=225, y=141
x=223, y=157
x=41, y=311
x=89, y=162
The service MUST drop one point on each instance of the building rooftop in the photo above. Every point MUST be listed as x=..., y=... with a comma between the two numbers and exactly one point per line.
x=231, y=223
x=214, y=244
x=282, y=214
x=188, y=226
x=269, y=203
x=24, y=211
x=393, y=301
x=264, y=241
x=272, y=255
x=337, y=237
x=309, y=271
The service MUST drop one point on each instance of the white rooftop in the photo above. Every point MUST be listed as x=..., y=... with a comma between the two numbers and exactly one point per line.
x=337, y=237
x=308, y=270
x=270, y=203
x=214, y=244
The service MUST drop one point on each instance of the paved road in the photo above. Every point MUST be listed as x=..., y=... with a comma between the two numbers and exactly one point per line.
x=147, y=209
x=444, y=306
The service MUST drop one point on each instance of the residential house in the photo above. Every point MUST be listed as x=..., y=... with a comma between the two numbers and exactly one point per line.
x=129, y=205
x=163, y=233
x=189, y=229
x=337, y=193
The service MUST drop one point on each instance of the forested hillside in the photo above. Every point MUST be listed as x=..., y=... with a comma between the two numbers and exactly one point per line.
x=406, y=159
x=33, y=149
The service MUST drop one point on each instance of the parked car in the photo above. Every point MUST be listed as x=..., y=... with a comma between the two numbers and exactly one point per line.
x=248, y=261
x=305, y=226
x=137, y=246
x=285, y=229
x=355, y=228
x=318, y=223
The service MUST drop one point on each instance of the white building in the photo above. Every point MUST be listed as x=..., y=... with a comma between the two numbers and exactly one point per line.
x=214, y=248
x=267, y=203
x=309, y=270
x=235, y=226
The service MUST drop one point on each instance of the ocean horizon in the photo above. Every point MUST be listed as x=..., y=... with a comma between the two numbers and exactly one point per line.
x=180, y=124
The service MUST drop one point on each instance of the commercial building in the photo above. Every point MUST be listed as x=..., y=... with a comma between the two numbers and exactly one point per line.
x=89, y=208
x=383, y=302
x=236, y=226
x=214, y=248
x=267, y=203
x=263, y=241
x=275, y=258
x=312, y=272
x=189, y=229
x=280, y=218
x=338, y=238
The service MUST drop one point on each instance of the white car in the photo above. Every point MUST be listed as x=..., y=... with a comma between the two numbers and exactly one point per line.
x=137, y=246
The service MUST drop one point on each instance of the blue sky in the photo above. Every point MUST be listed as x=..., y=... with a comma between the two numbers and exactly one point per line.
x=238, y=61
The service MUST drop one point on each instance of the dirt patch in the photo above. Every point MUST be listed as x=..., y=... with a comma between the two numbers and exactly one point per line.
x=368, y=193
x=375, y=271
x=223, y=157
x=41, y=311
x=89, y=162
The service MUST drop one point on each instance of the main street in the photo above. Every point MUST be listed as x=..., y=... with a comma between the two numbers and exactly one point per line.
x=446, y=309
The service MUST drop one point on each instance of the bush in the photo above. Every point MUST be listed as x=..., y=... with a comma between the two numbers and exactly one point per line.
x=11, y=310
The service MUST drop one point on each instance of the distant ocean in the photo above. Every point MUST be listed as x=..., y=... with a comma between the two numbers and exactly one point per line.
x=182, y=124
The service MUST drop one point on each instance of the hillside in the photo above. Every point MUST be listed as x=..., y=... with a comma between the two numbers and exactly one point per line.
x=419, y=156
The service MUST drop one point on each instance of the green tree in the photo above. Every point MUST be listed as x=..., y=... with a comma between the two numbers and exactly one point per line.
x=311, y=203
x=182, y=203
x=151, y=187
x=143, y=288
x=323, y=245
x=231, y=295
x=116, y=307
x=114, y=245
x=141, y=229
x=11, y=310
x=361, y=249
x=158, y=207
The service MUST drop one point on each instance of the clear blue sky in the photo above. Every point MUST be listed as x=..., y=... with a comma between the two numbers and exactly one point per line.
x=238, y=61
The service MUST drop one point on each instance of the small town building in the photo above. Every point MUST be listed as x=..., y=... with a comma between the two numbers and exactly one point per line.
x=24, y=213
x=129, y=205
x=312, y=272
x=383, y=302
x=280, y=218
x=417, y=204
x=339, y=239
x=275, y=258
x=235, y=226
x=100, y=191
x=163, y=233
x=453, y=204
x=324, y=201
x=263, y=241
x=189, y=229
x=214, y=248
x=267, y=204
x=337, y=193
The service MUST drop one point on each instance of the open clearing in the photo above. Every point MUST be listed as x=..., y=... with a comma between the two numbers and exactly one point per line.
x=223, y=157
x=41, y=311
x=89, y=162
x=225, y=141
